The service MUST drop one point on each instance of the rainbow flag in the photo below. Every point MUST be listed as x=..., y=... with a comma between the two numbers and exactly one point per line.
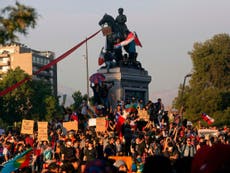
x=20, y=161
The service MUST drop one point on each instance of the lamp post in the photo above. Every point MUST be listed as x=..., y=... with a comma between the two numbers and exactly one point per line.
x=182, y=95
x=87, y=70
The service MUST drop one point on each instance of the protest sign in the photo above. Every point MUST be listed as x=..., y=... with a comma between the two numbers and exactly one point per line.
x=27, y=127
x=207, y=132
x=92, y=122
x=71, y=125
x=100, y=124
x=42, y=131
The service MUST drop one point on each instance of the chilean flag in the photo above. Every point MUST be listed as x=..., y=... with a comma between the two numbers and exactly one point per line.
x=101, y=58
x=207, y=118
x=120, y=122
x=74, y=117
x=131, y=36
x=136, y=40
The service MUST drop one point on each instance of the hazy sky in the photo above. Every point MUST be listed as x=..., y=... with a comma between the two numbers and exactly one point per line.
x=167, y=29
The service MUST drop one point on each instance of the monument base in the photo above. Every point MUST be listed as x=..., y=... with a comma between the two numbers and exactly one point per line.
x=128, y=83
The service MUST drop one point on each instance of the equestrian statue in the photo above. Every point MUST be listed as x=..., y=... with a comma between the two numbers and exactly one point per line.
x=118, y=36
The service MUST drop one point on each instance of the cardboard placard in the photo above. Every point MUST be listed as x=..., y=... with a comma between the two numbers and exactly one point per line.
x=27, y=127
x=42, y=131
x=107, y=31
x=208, y=132
x=92, y=122
x=71, y=125
x=100, y=124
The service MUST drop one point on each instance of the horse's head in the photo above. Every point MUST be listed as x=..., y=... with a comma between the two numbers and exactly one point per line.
x=107, y=19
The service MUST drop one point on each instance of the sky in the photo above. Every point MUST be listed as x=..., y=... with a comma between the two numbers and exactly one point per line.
x=167, y=29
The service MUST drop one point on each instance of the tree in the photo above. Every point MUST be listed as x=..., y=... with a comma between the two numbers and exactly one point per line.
x=32, y=100
x=78, y=98
x=51, y=108
x=16, y=19
x=16, y=104
x=209, y=87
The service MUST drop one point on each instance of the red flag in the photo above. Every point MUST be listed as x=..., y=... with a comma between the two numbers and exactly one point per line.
x=136, y=40
x=74, y=117
x=207, y=118
x=120, y=122
x=100, y=60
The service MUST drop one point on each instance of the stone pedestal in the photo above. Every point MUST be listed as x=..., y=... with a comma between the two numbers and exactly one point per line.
x=128, y=83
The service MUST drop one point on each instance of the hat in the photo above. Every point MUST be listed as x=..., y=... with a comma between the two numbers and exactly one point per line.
x=119, y=163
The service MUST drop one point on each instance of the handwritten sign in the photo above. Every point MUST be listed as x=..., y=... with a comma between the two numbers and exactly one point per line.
x=42, y=131
x=71, y=125
x=100, y=124
x=27, y=127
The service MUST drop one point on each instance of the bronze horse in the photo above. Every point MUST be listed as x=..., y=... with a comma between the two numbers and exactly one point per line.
x=116, y=31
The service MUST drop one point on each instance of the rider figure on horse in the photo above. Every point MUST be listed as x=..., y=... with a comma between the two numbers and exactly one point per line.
x=121, y=20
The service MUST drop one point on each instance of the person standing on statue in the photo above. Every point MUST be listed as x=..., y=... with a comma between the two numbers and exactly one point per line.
x=129, y=45
x=104, y=93
x=121, y=20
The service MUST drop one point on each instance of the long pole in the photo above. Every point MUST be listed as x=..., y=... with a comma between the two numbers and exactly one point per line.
x=87, y=70
x=182, y=95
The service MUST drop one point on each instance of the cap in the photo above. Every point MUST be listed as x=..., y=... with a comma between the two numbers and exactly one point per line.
x=119, y=163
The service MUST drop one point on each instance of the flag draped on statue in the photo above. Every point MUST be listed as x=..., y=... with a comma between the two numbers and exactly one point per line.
x=131, y=36
x=18, y=162
x=136, y=40
x=207, y=118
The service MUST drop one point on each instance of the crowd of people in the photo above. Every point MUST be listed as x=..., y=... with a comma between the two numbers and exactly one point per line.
x=161, y=144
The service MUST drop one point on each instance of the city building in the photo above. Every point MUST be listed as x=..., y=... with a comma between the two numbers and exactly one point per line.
x=18, y=55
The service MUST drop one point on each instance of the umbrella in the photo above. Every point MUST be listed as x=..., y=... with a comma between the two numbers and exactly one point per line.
x=97, y=77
